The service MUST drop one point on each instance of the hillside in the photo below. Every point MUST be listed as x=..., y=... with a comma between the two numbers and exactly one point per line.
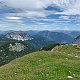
x=10, y=50
x=62, y=63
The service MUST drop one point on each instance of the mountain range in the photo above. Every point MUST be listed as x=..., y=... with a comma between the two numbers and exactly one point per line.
x=40, y=38
x=14, y=44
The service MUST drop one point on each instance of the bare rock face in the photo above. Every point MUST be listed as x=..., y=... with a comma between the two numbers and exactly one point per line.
x=77, y=40
x=16, y=47
x=18, y=36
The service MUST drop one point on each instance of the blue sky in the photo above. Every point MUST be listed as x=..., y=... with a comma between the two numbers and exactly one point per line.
x=39, y=15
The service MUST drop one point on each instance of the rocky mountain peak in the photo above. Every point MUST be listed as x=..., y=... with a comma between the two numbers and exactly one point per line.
x=18, y=36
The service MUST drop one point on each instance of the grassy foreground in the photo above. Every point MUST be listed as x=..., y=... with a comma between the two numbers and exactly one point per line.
x=63, y=63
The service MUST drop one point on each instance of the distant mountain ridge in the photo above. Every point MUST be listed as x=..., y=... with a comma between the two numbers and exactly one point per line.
x=56, y=36
x=38, y=37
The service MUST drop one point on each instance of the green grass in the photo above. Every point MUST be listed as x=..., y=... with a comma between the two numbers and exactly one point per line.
x=45, y=65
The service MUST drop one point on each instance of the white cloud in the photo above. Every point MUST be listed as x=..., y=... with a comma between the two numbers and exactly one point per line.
x=41, y=23
x=64, y=17
x=25, y=4
x=78, y=24
x=31, y=14
x=13, y=18
x=71, y=7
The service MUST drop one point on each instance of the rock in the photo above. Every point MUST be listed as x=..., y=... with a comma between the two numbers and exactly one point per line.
x=77, y=40
x=16, y=47
x=69, y=77
x=18, y=36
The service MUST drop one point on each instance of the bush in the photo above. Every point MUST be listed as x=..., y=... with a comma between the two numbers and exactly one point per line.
x=49, y=47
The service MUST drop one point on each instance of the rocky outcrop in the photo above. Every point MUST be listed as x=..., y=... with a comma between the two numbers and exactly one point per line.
x=18, y=36
x=16, y=47
x=77, y=40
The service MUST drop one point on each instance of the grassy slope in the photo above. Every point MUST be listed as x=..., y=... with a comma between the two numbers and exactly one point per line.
x=57, y=65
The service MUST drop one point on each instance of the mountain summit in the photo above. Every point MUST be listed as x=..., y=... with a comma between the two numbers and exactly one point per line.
x=20, y=36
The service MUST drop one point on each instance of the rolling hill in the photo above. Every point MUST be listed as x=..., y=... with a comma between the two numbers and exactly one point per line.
x=63, y=63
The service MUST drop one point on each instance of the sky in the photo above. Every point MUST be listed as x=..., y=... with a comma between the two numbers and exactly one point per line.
x=39, y=15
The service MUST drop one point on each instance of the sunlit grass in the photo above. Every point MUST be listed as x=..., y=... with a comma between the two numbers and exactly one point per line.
x=61, y=64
